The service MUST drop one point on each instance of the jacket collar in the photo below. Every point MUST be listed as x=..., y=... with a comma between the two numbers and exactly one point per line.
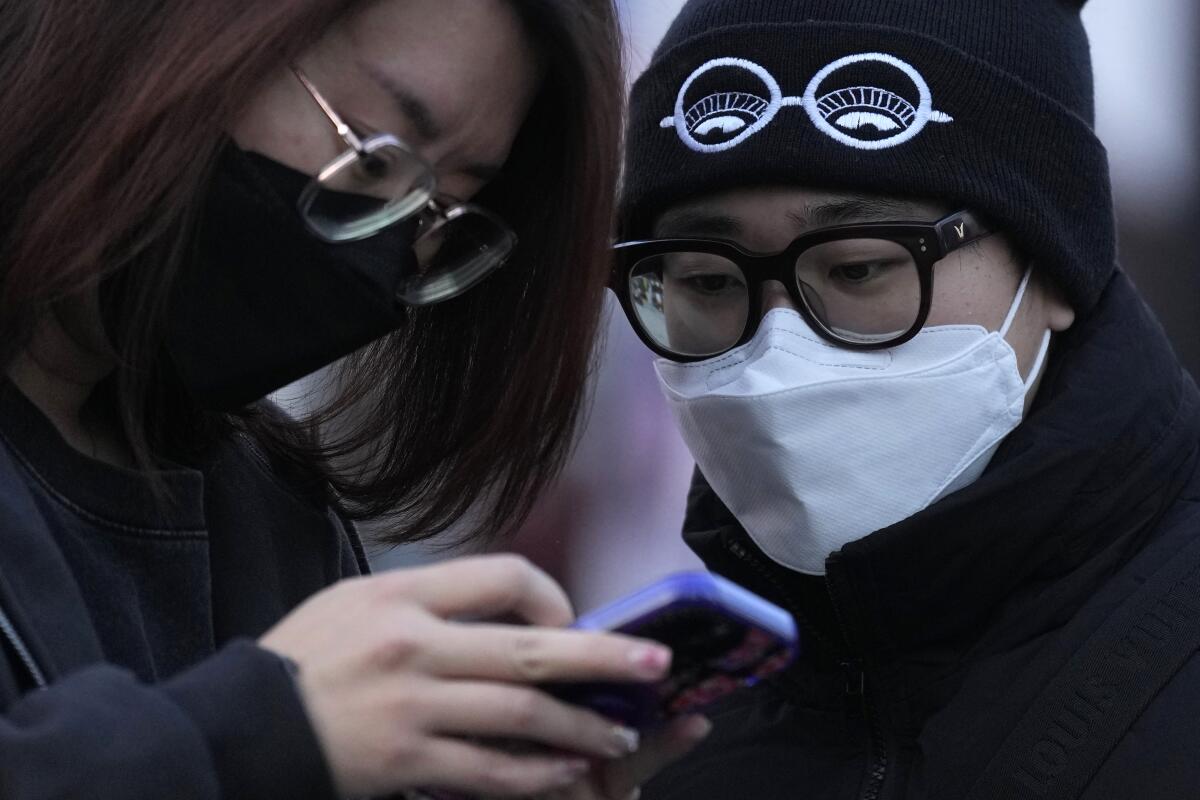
x=1073, y=491
x=38, y=593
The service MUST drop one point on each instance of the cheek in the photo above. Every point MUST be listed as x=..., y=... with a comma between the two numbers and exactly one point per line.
x=970, y=290
x=284, y=123
x=458, y=185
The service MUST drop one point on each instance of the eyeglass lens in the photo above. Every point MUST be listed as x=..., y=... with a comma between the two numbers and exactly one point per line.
x=361, y=193
x=697, y=304
x=455, y=253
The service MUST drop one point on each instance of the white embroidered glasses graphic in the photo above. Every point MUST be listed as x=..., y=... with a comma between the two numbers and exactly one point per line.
x=869, y=101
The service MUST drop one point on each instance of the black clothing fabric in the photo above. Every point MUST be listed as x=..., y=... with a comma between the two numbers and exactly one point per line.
x=142, y=571
x=926, y=642
x=128, y=667
x=985, y=105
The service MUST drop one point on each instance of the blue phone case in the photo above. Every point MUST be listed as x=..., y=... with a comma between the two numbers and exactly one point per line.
x=724, y=638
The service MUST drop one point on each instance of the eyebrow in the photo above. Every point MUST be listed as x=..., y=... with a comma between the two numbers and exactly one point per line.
x=704, y=222
x=850, y=211
x=425, y=124
x=698, y=222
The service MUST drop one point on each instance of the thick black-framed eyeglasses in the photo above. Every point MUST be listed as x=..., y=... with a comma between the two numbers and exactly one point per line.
x=860, y=287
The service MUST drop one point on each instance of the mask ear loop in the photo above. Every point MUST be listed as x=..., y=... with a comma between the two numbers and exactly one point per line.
x=1016, y=304
x=1044, y=350
x=1038, y=362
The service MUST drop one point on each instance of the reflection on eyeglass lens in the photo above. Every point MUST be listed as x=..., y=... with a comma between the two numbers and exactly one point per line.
x=704, y=302
x=860, y=289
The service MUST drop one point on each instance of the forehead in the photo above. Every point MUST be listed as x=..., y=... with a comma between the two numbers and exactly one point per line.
x=457, y=46
x=469, y=66
x=766, y=218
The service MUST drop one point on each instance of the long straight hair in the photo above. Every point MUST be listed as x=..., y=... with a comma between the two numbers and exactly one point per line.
x=114, y=115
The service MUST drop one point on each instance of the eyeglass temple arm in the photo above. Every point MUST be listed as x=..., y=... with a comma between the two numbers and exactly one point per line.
x=343, y=130
x=959, y=230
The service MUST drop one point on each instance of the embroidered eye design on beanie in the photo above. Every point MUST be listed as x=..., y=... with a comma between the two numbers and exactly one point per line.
x=724, y=103
x=869, y=101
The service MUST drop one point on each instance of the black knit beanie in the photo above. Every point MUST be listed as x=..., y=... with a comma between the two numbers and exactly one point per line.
x=986, y=104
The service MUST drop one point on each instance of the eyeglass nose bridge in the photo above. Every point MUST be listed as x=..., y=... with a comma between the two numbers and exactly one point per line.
x=759, y=270
x=436, y=214
x=779, y=269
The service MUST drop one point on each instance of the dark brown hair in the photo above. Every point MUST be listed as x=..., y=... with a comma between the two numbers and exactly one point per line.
x=114, y=115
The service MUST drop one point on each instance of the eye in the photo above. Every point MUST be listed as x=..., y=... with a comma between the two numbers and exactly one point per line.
x=861, y=119
x=713, y=284
x=373, y=166
x=728, y=124
x=719, y=115
x=860, y=272
x=861, y=108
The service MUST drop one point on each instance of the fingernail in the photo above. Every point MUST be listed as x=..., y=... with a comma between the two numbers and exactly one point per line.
x=652, y=661
x=699, y=728
x=570, y=772
x=624, y=741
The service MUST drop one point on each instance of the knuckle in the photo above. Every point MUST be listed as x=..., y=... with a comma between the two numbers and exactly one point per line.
x=402, y=753
x=518, y=564
x=408, y=704
x=508, y=580
x=516, y=572
x=386, y=588
x=528, y=658
x=525, y=709
x=509, y=776
x=396, y=648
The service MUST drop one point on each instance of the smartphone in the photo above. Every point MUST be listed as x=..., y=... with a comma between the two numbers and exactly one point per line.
x=723, y=637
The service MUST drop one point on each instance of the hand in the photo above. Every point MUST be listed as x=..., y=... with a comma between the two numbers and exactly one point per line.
x=622, y=780
x=396, y=689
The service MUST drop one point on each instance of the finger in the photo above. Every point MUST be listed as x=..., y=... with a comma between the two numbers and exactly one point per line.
x=521, y=713
x=485, y=587
x=620, y=779
x=516, y=654
x=588, y=790
x=465, y=767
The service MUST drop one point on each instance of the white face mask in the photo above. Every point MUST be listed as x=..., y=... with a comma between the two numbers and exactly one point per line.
x=812, y=446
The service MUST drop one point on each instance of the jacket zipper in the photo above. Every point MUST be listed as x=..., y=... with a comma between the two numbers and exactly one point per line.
x=856, y=683
x=748, y=558
x=9, y=631
x=878, y=759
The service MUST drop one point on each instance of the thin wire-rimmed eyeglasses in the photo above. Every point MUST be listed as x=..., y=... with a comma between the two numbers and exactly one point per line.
x=380, y=181
x=860, y=287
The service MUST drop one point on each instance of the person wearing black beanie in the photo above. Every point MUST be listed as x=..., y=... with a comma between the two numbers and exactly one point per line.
x=872, y=243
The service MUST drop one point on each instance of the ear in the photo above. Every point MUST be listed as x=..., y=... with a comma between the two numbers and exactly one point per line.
x=1059, y=314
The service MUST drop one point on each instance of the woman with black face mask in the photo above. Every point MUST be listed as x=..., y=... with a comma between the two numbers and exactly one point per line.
x=202, y=203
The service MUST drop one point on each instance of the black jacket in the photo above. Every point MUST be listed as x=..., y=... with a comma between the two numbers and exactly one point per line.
x=230, y=726
x=928, y=641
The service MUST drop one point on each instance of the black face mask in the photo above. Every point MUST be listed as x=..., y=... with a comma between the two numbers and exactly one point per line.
x=263, y=302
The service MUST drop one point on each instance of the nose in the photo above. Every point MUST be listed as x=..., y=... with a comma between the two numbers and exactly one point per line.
x=775, y=296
